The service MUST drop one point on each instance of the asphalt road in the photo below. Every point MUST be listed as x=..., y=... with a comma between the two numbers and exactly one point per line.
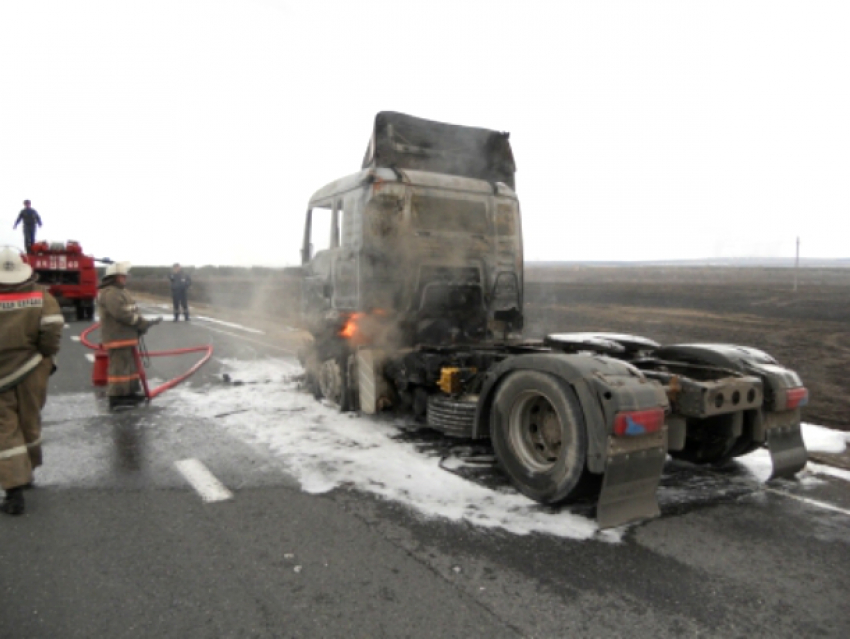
x=117, y=543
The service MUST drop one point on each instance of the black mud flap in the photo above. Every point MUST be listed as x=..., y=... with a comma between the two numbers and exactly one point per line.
x=630, y=483
x=787, y=451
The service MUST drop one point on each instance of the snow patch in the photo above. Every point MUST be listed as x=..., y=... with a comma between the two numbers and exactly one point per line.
x=758, y=464
x=324, y=449
x=824, y=440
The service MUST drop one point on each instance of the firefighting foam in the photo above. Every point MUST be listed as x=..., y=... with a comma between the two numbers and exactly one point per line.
x=325, y=450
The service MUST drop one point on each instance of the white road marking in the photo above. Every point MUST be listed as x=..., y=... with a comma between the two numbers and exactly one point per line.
x=90, y=357
x=810, y=502
x=202, y=480
x=75, y=338
x=207, y=326
x=254, y=341
x=229, y=324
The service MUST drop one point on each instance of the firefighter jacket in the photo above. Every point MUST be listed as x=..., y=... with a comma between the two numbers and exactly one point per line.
x=120, y=321
x=31, y=327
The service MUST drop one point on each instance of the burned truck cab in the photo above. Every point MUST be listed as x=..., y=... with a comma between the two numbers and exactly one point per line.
x=437, y=257
x=423, y=244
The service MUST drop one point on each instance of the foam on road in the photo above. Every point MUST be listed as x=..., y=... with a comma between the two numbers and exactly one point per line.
x=324, y=449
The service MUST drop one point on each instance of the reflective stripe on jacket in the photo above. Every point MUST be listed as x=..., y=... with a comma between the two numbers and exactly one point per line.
x=121, y=323
x=31, y=327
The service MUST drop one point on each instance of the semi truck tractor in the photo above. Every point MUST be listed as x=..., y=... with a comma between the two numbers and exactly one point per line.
x=413, y=296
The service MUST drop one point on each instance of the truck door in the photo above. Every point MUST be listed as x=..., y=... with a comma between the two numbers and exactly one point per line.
x=317, y=259
x=346, y=283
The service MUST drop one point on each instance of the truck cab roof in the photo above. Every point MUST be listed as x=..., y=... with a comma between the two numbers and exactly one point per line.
x=411, y=177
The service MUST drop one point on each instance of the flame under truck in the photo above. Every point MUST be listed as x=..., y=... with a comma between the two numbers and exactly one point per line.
x=413, y=294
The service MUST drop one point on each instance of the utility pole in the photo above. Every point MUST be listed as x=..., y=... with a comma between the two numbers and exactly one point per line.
x=796, y=263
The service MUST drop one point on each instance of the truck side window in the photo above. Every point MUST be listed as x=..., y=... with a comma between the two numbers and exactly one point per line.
x=320, y=231
x=336, y=223
x=345, y=215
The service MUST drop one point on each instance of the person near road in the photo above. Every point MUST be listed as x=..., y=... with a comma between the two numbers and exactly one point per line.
x=121, y=327
x=180, y=283
x=31, y=328
x=29, y=216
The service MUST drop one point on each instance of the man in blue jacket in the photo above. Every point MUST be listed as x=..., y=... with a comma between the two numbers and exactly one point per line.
x=180, y=283
x=29, y=216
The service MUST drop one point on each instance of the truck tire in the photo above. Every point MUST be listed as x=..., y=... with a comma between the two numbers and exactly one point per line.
x=452, y=416
x=539, y=437
x=333, y=383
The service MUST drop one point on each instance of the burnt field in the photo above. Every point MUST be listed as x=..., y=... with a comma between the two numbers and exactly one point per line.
x=807, y=330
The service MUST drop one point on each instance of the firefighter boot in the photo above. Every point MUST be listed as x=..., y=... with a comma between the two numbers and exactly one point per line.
x=122, y=402
x=14, y=502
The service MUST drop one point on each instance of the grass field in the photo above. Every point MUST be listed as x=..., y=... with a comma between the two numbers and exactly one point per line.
x=807, y=330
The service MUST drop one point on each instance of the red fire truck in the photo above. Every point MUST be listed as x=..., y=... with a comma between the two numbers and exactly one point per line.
x=69, y=273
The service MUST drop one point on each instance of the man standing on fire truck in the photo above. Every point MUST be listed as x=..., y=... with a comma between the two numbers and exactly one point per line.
x=31, y=325
x=29, y=216
x=121, y=327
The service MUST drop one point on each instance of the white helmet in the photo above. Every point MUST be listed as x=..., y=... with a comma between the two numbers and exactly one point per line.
x=117, y=268
x=13, y=269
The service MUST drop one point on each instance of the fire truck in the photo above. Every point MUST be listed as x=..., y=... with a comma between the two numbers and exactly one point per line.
x=69, y=273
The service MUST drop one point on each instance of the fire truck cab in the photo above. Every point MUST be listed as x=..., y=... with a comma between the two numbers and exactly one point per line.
x=69, y=274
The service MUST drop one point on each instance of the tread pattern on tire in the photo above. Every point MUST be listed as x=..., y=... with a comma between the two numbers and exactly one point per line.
x=454, y=417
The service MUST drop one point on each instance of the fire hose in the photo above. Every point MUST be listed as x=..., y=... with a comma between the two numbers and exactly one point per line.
x=171, y=383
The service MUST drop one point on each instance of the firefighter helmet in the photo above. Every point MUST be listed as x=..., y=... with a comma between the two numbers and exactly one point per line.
x=117, y=268
x=13, y=269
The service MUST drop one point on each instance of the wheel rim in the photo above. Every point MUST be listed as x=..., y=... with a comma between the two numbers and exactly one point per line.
x=535, y=431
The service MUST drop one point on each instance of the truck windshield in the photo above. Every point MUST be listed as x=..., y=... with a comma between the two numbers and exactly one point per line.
x=438, y=213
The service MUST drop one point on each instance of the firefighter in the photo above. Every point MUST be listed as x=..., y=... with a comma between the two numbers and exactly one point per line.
x=29, y=216
x=121, y=327
x=180, y=283
x=31, y=327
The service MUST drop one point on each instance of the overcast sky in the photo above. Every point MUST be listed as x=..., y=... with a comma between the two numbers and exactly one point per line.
x=196, y=130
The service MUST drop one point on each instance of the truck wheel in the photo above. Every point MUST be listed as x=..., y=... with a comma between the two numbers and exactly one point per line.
x=333, y=383
x=81, y=311
x=539, y=436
